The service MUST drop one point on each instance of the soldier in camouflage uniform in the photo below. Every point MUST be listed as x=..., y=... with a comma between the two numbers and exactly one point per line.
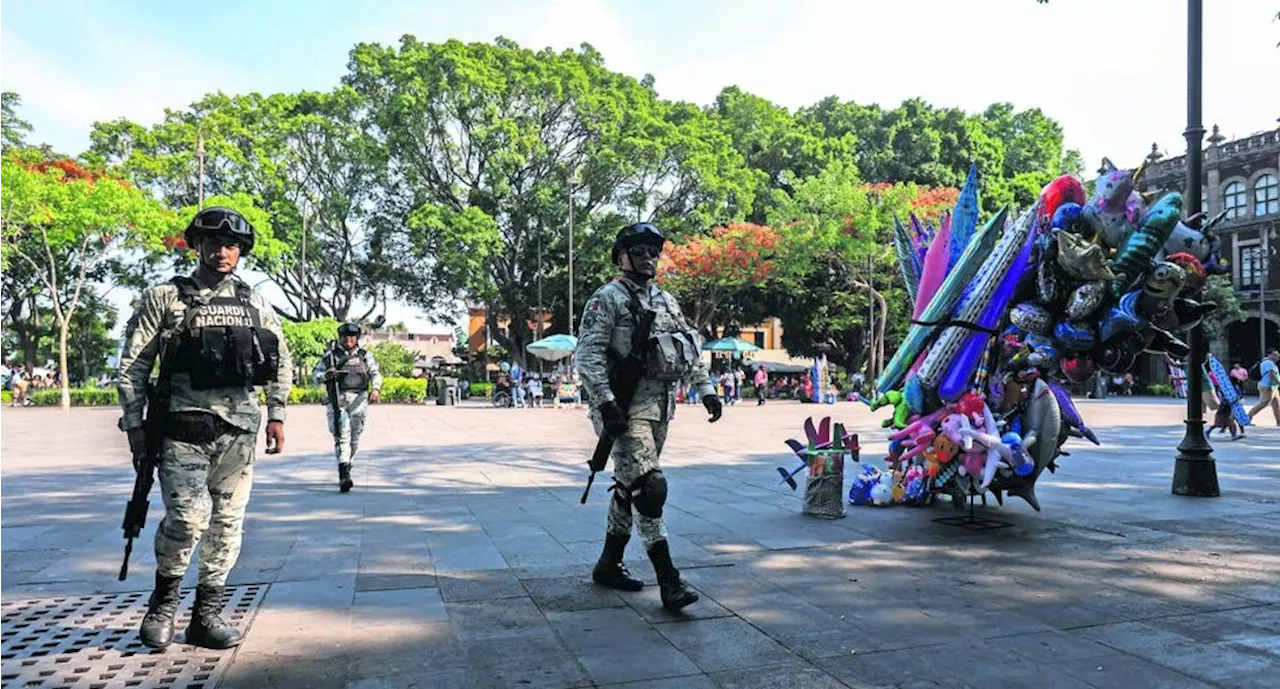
x=672, y=353
x=219, y=340
x=355, y=373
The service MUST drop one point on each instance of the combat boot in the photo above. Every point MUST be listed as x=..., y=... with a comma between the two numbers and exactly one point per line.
x=207, y=628
x=675, y=594
x=344, y=477
x=157, y=624
x=609, y=569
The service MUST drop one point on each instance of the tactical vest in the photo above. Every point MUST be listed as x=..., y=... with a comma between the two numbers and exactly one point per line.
x=354, y=368
x=221, y=343
x=672, y=349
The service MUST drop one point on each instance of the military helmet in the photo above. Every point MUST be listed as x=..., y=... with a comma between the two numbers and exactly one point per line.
x=349, y=329
x=638, y=233
x=217, y=220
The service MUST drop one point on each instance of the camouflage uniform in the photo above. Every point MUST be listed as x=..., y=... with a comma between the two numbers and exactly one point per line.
x=354, y=405
x=205, y=485
x=606, y=327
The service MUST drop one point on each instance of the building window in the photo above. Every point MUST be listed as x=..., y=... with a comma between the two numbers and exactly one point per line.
x=1250, y=266
x=1266, y=196
x=1233, y=199
x=759, y=338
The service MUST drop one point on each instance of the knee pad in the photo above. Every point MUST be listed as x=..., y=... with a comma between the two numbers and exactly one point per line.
x=649, y=494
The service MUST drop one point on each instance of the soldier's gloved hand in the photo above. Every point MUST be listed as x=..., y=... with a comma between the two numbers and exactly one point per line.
x=332, y=374
x=615, y=420
x=138, y=446
x=714, y=407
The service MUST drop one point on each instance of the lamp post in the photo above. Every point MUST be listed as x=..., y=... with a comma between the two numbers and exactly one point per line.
x=200, y=173
x=539, y=282
x=574, y=181
x=1267, y=236
x=1195, y=472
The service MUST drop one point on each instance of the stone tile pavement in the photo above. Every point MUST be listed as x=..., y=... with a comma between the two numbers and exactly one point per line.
x=462, y=559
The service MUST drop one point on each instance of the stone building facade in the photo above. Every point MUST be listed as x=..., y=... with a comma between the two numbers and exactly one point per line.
x=1241, y=177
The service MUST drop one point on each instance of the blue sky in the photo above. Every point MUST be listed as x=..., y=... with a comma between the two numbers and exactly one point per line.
x=1111, y=71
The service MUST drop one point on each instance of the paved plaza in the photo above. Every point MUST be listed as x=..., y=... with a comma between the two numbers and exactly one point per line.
x=462, y=559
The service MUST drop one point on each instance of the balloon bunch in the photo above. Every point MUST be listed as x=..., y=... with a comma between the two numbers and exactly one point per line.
x=1008, y=312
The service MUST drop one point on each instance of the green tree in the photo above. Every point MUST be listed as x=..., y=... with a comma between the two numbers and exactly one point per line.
x=778, y=148
x=308, y=161
x=395, y=360
x=13, y=129
x=486, y=143
x=63, y=221
x=1218, y=290
x=841, y=293
x=308, y=341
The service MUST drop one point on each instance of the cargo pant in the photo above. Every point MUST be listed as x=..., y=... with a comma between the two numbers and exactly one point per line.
x=635, y=454
x=354, y=407
x=206, y=487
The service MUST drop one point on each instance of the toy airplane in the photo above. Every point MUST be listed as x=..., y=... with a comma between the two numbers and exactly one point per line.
x=821, y=443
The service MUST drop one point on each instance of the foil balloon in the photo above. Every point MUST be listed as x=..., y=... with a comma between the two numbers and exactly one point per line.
x=1188, y=240
x=1105, y=212
x=1075, y=336
x=1063, y=191
x=1071, y=415
x=933, y=271
x=959, y=377
x=1194, y=270
x=1031, y=317
x=942, y=303
x=1140, y=248
x=907, y=258
x=944, y=354
x=1116, y=356
x=1085, y=300
x=1122, y=318
x=1043, y=351
x=1078, y=368
x=1160, y=287
x=1048, y=284
x=1082, y=259
x=1070, y=218
x=964, y=218
x=1188, y=312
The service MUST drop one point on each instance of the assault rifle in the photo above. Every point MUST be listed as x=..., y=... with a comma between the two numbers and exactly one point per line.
x=331, y=388
x=627, y=376
x=155, y=426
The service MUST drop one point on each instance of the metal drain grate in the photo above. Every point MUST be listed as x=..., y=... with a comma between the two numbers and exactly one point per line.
x=91, y=642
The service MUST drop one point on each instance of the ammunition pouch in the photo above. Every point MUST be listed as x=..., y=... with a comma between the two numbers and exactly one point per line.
x=671, y=356
x=194, y=427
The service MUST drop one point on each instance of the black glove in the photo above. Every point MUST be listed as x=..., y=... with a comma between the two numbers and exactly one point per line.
x=615, y=420
x=138, y=447
x=714, y=407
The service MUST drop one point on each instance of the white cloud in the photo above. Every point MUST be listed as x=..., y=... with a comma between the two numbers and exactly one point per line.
x=567, y=24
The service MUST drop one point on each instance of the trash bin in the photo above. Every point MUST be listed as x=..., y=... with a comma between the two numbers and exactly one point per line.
x=447, y=394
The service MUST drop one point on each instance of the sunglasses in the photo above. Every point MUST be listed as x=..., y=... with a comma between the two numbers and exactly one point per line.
x=644, y=251
x=214, y=220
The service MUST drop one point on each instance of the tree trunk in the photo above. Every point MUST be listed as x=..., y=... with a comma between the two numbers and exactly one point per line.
x=33, y=337
x=64, y=381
